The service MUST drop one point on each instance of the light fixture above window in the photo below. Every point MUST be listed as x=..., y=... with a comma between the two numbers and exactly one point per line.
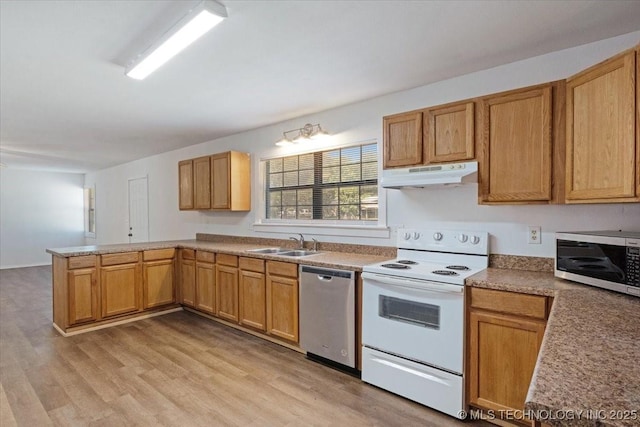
x=308, y=132
x=197, y=21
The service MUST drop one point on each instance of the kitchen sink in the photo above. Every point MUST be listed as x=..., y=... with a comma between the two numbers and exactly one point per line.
x=283, y=252
x=297, y=253
x=267, y=250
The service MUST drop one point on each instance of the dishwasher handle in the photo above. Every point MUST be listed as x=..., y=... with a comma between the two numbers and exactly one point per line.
x=326, y=274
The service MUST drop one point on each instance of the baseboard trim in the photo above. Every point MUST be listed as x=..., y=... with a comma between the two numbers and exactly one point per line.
x=247, y=330
x=116, y=323
x=8, y=267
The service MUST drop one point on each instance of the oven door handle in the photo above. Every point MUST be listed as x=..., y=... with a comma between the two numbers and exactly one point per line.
x=414, y=284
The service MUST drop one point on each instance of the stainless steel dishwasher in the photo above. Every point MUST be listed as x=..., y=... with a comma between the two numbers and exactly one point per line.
x=327, y=315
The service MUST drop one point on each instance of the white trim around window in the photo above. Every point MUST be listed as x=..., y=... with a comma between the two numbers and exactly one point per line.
x=362, y=229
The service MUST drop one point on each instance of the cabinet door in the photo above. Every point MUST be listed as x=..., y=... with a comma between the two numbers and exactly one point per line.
x=120, y=289
x=253, y=299
x=516, y=146
x=188, y=282
x=601, y=141
x=282, y=307
x=449, y=134
x=158, y=283
x=220, y=185
x=227, y=292
x=206, y=287
x=402, y=140
x=202, y=183
x=502, y=355
x=185, y=184
x=83, y=296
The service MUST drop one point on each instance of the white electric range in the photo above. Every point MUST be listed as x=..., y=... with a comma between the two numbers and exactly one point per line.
x=413, y=316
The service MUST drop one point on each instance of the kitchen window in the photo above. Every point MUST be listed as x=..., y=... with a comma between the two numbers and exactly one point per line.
x=340, y=184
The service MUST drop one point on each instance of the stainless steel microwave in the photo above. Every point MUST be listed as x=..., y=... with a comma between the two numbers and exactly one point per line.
x=606, y=259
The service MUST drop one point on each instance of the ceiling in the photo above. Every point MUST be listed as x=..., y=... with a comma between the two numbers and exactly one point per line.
x=66, y=104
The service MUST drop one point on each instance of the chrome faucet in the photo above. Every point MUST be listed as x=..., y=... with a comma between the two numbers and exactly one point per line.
x=315, y=244
x=300, y=240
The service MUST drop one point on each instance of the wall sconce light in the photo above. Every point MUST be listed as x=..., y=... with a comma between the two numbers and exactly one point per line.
x=308, y=132
x=197, y=21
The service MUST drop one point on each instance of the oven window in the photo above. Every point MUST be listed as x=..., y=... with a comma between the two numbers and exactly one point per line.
x=415, y=313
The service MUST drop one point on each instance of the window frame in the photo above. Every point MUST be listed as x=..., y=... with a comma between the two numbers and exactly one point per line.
x=347, y=228
x=87, y=208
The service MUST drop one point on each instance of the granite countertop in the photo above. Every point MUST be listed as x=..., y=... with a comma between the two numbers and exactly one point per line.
x=587, y=372
x=330, y=259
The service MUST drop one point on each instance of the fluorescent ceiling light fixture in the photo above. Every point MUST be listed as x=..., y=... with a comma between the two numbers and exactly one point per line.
x=203, y=17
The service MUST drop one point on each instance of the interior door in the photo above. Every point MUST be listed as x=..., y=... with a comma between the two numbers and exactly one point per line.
x=138, y=210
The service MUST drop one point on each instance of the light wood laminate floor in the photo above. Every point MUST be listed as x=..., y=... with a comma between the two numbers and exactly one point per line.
x=174, y=370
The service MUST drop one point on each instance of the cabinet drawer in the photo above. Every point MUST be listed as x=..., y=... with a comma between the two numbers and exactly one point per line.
x=252, y=264
x=159, y=254
x=123, y=258
x=509, y=302
x=282, y=268
x=188, y=253
x=206, y=256
x=230, y=260
x=82, y=261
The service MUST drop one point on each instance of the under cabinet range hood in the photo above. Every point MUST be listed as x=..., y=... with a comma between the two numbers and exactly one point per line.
x=430, y=175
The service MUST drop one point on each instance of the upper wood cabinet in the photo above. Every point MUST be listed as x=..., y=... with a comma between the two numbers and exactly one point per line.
x=185, y=180
x=449, y=133
x=402, y=140
x=602, y=143
x=202, y=183
x=516, y=145
x=439, y=134
x=220, y=182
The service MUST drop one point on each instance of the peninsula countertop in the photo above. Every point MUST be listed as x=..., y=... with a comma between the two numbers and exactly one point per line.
x=331, y=259
x=588, y=371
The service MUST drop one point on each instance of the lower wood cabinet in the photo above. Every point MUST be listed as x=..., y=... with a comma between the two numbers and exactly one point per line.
x=83, y=296
x=282, y=300
x=159, y=277
x=253, y=293
x=206, y=282
x=120, y=289
x=505, y=332
x=187, y=277
x=227, y=287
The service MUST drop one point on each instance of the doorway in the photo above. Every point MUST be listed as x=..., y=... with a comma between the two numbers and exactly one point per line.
x=138, y=210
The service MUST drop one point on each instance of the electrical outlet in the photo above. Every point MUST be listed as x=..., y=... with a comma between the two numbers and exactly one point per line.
x=535, y=235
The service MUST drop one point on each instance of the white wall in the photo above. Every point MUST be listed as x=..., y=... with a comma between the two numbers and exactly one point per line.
x=38, y=210
x=451, y=207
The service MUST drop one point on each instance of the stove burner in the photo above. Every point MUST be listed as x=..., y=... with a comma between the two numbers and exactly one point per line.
x=396, y=266
x=406, y=262
x=458, y=267
x=445, y=272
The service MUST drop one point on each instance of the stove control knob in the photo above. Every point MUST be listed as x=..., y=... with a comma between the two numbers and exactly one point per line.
x=416, y=235
x=407, y=236
x=437, y=236
x=475, y=240
x=462, y=238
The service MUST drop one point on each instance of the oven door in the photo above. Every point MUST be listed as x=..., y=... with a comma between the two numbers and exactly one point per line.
x=414, y=319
